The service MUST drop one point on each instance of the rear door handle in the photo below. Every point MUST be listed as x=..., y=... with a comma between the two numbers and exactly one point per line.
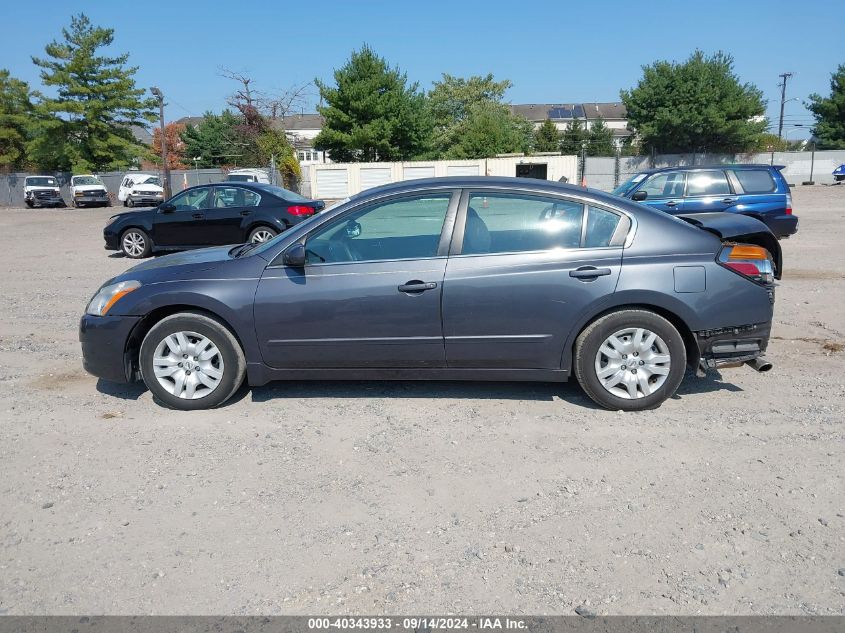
x=588, y=273
x=728, y=201
x=672, y=203
x=416, y=286
x=245, y=212
x=198, y=216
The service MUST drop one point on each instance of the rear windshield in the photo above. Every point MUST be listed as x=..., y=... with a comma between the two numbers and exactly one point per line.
x=41, y=181
x=239, y=178
x=756, y=180
x=284, y=193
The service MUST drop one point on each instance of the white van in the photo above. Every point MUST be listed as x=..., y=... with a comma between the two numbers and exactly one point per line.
x=249, y=175
x=138, y=189
x=87, y=190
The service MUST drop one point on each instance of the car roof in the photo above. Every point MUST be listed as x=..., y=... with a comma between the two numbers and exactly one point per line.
x=486, y=181
x=657, y=170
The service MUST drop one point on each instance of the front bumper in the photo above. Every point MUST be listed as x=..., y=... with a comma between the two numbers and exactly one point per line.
x=732, y=346
x=146, y=198
x=92, y=199
x=52, y=200
x=104, y=346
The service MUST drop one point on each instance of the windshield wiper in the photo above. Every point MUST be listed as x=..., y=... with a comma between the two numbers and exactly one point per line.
x=244, y=249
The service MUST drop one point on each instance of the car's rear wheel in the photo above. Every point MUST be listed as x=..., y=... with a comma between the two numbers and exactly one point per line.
x=262, y=234
x=191, y=361
x=631, y=360
x=135, y=243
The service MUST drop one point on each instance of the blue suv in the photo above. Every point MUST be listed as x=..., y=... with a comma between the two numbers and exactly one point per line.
x=759, y=191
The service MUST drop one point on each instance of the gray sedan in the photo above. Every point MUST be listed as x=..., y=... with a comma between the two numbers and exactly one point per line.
x=449, y=279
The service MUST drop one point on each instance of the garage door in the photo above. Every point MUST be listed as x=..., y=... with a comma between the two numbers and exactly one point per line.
x=462, y=170
x=332, y=183
x=374, y=177
x=410, y=173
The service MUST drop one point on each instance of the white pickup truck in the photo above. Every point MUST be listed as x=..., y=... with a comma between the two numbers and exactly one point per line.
x=42, y=191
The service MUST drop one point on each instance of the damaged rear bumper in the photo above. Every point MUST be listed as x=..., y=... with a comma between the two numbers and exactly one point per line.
x=733, y=346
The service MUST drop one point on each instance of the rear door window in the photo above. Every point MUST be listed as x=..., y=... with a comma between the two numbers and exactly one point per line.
x=708, y=183
x=755, y=180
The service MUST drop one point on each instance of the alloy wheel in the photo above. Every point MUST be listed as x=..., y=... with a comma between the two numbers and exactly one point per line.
x=134, y=244
x=262, y=235
x=633, y=363
x=188, y=365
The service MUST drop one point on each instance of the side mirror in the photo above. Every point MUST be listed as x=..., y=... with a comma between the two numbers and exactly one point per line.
x=639, y=196
x=166, y=207
x=295, y=256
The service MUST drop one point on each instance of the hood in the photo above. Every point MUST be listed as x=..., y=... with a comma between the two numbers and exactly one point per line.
x=735, y=227
x=186, y=261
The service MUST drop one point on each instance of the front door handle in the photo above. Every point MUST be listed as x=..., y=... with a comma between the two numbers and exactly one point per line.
x=672, y=203
x=245, y=212
x=198, y=216
x=416, y=286
x=589, y=273
x=728, y=201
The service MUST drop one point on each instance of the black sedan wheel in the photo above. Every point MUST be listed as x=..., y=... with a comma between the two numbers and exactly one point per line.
x=262, y=234
x=135, y=243
x=631, y=360
x=191, y=361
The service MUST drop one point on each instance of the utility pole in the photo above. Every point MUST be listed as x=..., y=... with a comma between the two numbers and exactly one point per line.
x=165, y=168
x=784, y=77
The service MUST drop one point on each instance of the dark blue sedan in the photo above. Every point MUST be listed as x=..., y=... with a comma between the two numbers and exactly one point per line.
x=450, y=278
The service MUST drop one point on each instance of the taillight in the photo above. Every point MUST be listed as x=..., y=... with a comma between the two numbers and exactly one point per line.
x=789, y=204
x=299, y=209
x=748, y=260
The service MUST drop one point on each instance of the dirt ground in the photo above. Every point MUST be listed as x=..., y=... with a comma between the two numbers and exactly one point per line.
x=360, y=497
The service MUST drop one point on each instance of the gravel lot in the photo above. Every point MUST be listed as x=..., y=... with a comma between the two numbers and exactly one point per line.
x=351, y=497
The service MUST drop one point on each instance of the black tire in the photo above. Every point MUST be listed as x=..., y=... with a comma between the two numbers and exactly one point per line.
x=594, y=336
x=147, y=245
x=263, y=228
x=129, y=201
x=29, y=203
x=124, y=202
x=234, y=363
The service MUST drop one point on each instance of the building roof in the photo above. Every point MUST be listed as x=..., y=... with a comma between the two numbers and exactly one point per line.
x=568, y=111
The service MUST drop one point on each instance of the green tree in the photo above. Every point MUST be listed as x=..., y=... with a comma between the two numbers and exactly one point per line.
x=490, y=130
x=453, y=100
x=372, y=113
x=547, y=137
x=86, y=126
x=573, y=138
x=697, y=105
x=15, y=120
x=829, y=113
x=214, y=140
x=274, y=144
x=600, y=139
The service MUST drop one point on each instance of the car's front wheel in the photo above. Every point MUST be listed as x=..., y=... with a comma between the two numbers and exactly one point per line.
x=129, y=202
x=191, y=361
x=631, y=360
x=135, y=243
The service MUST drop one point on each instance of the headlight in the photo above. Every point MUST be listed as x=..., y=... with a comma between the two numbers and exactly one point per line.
x=135, y=192
x=77, y=193
x=109, y=295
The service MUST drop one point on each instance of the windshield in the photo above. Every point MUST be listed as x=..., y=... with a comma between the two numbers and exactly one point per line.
x=629, y=185
x=85, y=180
x=43, y=181
x=152, y=180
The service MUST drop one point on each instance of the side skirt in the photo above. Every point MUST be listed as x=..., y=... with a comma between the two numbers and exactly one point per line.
x=259, y=374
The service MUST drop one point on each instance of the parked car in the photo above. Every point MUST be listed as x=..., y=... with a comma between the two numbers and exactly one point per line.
x=758, y=191
x=42, y=191
x=88, y=190
x=208, y=215
x=140, y=189
x=839, y=174
x=466, y=278
x=249, y=175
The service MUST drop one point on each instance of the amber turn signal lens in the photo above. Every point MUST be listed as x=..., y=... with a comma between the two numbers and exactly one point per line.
x=747, y=251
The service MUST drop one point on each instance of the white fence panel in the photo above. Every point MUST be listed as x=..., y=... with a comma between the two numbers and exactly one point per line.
x=375, y=177
x=413, y=173
x=463, y=170
x=332, y=183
